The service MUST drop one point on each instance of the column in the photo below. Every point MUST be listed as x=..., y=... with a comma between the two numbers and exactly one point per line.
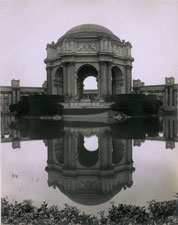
x=9, y=95
x=72, y=79
x=175, y=98
x=13, y=96
x=2, y=125
x=128, y=79
x=109, y=88
x=128, y=144
x=109, y=142
x=66, y=146
x=18, y=94
x=171, y=128
x=166, y=98
x=49, y=80
x=103, y=79
x=105, y=151
x=99, y=84
x=170, y=97
x=101, y=45
x=64, y=79
x=175, y=126
x=75, y=84
x=167, y=128
x=68, y=80
x=164, y=127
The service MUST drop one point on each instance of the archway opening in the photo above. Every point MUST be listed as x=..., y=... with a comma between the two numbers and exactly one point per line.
x=91, y=143
x=88, y=152
x=58, y=82
x=117, y=81
x=90, y=83
x=87, y=82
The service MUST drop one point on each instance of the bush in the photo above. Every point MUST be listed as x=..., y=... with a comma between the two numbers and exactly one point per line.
x=25, y=213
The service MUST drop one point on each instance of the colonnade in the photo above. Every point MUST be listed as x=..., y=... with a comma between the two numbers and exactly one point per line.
x=71, y=87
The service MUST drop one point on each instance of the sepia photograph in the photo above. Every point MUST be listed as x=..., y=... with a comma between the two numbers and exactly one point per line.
x=89, y=112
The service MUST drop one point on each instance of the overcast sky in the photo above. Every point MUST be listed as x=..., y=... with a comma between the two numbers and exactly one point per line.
x=26, y=26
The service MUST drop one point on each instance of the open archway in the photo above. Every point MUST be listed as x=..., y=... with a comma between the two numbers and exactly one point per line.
x=87, y=82
x=90, y=83
x=117, y=81
x=87, y=157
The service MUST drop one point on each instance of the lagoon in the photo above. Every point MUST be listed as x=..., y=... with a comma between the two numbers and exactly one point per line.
x=89, y=165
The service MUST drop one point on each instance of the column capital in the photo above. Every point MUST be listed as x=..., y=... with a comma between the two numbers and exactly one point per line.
x=48, y=69
x=128, y=67
x=102, y=62
x=71, y=63
x=64, y=63
x=109, y=63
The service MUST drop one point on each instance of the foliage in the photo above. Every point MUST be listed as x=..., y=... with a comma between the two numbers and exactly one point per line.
x=25, y=213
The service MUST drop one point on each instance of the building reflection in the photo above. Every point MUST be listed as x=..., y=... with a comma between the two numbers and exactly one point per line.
x=89, y=177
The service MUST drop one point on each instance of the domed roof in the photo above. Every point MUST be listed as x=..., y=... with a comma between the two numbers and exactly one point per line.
x=86, y=29
x=89, y=28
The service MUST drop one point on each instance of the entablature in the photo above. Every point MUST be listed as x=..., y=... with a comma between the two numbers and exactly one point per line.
x=88, y=46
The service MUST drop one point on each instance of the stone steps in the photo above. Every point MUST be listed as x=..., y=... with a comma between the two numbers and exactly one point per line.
x=87, y=104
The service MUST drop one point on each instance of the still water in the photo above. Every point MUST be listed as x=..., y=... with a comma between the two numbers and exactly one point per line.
x=89, y=165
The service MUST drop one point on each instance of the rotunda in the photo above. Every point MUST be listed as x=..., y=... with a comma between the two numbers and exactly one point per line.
x=85, y=51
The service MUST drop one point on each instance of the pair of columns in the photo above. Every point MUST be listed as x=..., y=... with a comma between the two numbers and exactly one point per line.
x=69, y=86
x=105, y=79
x=169, y=97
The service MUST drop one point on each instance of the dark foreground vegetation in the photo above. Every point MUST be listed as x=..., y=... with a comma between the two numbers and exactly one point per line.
x=25, y=213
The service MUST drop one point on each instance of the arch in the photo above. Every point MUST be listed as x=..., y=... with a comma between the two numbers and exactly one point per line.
x=80, y=66
x=58, y=82
x=84, y=72
x=117, y=81
x=87, y=158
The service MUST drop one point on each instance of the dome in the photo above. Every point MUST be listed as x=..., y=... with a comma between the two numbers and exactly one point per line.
x=88, y=29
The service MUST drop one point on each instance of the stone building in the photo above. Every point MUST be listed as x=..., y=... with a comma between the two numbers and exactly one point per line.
x=12, y=94
x=89, y=50
x=167, y=93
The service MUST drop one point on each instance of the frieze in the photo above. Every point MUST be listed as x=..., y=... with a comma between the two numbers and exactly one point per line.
x=88, y=185
x=86, y=47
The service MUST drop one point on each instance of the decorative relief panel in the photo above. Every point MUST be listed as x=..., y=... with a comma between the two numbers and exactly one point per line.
x=59, y=48
x=86, y=47
x=117, y=49
x=88, y=185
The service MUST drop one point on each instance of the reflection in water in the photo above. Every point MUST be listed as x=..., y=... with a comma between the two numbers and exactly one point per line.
x=90, y=177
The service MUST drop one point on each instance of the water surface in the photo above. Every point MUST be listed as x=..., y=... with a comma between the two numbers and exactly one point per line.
x=87, y=164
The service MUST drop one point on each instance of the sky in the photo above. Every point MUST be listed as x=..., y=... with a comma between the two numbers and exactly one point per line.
x=26, y=26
